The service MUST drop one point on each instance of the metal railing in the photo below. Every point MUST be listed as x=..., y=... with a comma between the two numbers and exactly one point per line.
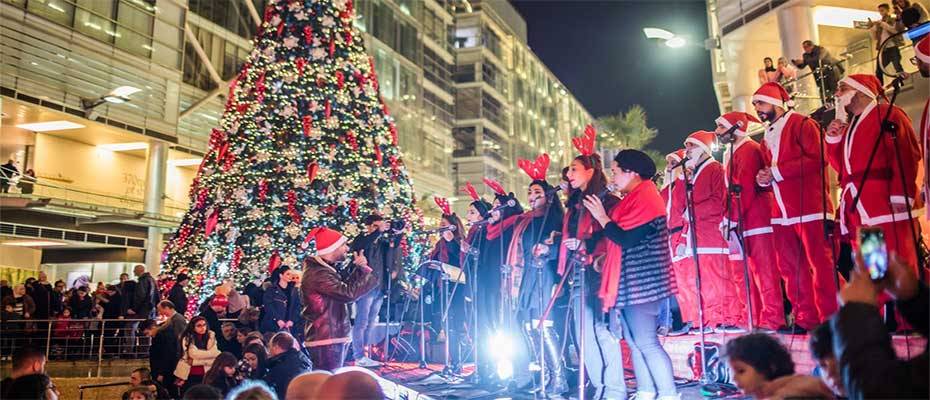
x=76, y=339
x=81, y=388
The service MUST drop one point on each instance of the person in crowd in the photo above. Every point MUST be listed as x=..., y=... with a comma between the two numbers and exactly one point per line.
x=748, y=224
x=306, y=385
x=378, y=246
x=202, y=392
x=281, y=303
x=768, y=73
x=5, y=289
x=910, y=14
x=326, y=296
x=145, y=296
x=241, y=334
x=922, y=60
x=198, y=350
x=723, y=308
x=762, y=368
x=826, y=69
x=238, y=302
x=26, y=360
x=786, y=74
x=163, y=353
x=849, y=145
x=222, y=373
x=256, y=357
x=254, y=337
x=27, y=182
x=23, y=305
x=57, y=298
x=177, y=294
x=253, y=390
x=142, y=378
x=883, y=29
x=139, y=393
x=66, y=329
x=821, y=344
x=581, y=234
x=532, y=255
x=793, y=171
x=471, y=249
x=127, y=289
x=41, y=295
x=33, y=387
x=447, y=250
x=8, y=174
x=112, y=303
x=636, y=275
x=227, y=340
x=673, y=195
x=352, y=384
x=172, y=320
x=862, y=347
x=253, y=290
x=285, y=363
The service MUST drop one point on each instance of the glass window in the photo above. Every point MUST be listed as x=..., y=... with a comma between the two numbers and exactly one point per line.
x=362, y=15
x=385, y=67
x=94, y=18
x=58, y=11
x=409, y=45
x=134, y=33
x=407, y=84
x=385, y=26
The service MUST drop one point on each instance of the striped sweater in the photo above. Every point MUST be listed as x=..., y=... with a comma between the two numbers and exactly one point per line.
x=646, y=273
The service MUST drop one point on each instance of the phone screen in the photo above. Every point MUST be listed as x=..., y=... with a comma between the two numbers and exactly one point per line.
x=874, y=252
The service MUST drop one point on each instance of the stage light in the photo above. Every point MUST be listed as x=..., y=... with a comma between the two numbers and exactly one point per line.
x=657, y=33
x=676, y=42
x=502, y=347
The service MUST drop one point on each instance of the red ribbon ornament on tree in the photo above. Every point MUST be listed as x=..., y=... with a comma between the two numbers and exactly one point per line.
x=236, y=259
x=301, y=63
x=211, y=223
x=340, y=79
x=262, y=190
x=308, y=34
x=307, y=122
x=312, y=169
x=292, y=206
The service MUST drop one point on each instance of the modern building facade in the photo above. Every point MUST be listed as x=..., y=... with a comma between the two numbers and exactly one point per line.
x=112, y=179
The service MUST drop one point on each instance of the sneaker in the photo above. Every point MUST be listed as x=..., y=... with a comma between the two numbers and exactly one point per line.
x=366, y=362
x=663, y=331
x=731, y=329
x=697, y=330
x=766, y=331
x=792, y=330
x=681, y=331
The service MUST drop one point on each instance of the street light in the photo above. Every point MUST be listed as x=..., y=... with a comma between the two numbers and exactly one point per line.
x=668, y=38
x=116, y=96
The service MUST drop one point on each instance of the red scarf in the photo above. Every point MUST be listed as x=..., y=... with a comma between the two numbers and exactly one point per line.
x=642, y=205
x=515, y=251
x=440, y=252
x=497, y=229
x=585, y=230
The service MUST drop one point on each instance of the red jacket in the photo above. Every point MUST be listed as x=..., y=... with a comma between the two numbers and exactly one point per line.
x=675, y=212
x=791, y=148
x=755, y=203
x=709, y=195
x=849, y=154
x=925, y=145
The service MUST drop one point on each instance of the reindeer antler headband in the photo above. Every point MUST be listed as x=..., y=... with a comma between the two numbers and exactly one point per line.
x=495, y=186
x=471, y=192
x=536, y=170
x=585, y=143
x=443, y=204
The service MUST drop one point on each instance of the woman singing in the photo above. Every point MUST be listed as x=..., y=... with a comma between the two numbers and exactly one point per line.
x=636, y=277
x=448, y=251
x=533, y=258
x=473, y=247
x=581, y=233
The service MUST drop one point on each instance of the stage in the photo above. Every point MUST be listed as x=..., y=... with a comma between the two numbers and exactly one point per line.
x=407, y=381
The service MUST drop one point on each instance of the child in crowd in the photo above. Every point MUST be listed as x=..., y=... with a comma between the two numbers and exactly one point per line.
x=762, y=368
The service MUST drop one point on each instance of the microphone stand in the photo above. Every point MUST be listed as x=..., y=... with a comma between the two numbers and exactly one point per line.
x=540, y=263
x=472, y=255
x=692, y=230
x=734, y=192
x=891, y=128
x=387, y=300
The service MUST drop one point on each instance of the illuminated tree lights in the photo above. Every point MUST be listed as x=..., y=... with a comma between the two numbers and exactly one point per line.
x=305, y=141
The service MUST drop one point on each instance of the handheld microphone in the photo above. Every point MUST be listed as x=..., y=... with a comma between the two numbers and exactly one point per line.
x=680, y=163
x=450, y=228
x=479, y=223
x=610, y=188
x=730, y=135
x=553, y=191
x=508, y=204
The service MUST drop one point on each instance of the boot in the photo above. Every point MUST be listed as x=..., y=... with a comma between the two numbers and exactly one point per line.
x=557, y=380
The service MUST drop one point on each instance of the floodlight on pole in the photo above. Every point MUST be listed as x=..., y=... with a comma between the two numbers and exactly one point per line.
x=658, y=33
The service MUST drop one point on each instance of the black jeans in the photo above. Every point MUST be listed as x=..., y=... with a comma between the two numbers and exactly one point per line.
x=890, y=55
x=328, y=357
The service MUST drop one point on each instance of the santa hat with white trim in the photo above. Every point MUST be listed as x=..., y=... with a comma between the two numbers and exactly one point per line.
x=775, y=94
x=922, y=49
x=704, y=140
x=327, y=240
x=868, y=84
x=675, y=156
x=737, y=118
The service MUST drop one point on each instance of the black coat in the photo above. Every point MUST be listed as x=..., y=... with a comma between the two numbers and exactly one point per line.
x=177, y=296
x=164, y=355
x=867, y=360
x=145, y=296
x=281, y=305
x=41, y=295
x=284, y=367
x=81, y=308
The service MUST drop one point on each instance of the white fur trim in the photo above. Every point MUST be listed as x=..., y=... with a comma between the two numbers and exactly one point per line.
x=802, y=219
x=921, y=56
x=858, y=86
x=768, y=99
x=776, y=174
x=331, y=248
x=701, y=145
x=833, y=139
x=757, y=231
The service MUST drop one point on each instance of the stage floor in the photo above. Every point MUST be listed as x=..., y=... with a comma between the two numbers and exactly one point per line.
x=407, y=381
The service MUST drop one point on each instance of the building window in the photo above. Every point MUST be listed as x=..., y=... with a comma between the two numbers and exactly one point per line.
x=59, y=11
x=229, y=14
x=408, y=45
x=492, y=42
x=464, y=73
x=437, y=108
x=384, y=27
x=464, y=141
x=385, y=67
x=436, y=70
x=134, y=33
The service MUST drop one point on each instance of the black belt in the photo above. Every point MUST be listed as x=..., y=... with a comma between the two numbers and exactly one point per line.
x=676, y=229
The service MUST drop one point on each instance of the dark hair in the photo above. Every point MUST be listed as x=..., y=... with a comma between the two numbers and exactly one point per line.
x=372, y=218
x=166, y=304
x=554, y=206
x=145, y=390
x=807, y=43
x=482, y=206
x=595, y=186
x=821, y=341
x=147, y=324
x=202, y=392
x=23, y=356
x=769, y=59
x=191, y=335
x=282, y=340
x=276, y=274
x=32, y=386
x=455, y=221
x=145, y=373
x=885, y=6
x=255, y=335
x=762, y=352
x=259, y=352
x=216, y=372
x=565, y=174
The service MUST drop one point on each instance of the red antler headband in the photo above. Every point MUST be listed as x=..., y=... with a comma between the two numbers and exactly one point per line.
x=443, y=205
x=536, y=170
x=585, y=143
x=495, y=186
x=471, y=192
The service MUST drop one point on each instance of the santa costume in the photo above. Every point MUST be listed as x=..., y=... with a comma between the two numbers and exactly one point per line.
x=884, y=204
x=708, y=194
x=922, y=52
x=791, y=150
x=751, y=216
x=674, y=196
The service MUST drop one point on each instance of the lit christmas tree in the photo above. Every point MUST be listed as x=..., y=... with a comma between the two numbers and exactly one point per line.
x=305, y=141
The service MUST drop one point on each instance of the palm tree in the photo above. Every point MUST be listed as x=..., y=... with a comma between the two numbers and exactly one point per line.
x=625, y=129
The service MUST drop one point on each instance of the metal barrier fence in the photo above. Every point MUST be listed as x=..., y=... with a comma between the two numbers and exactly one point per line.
x=76, y=339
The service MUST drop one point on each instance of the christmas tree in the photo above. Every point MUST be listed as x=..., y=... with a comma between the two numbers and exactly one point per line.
x=305, y=141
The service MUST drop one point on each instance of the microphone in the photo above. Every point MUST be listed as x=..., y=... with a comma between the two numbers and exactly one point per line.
x=730, y=135
x=450, y=228
x=607, y=190
x=553, y=191
x=680, y=163
x=508, y=204
x=479, y=223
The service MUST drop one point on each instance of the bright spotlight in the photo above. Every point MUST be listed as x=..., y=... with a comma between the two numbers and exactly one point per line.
x=657, y=33
x=676, y=42
x=502, y=347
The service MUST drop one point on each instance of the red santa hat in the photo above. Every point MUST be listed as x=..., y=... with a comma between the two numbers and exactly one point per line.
x=865, y=83
x=773, y=93
x=327, y=240
x=922, y=49
x=676, y=156
x=702, y=139
x=737, y=118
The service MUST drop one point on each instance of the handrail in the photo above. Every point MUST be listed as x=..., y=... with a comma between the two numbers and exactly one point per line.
x=100, y=385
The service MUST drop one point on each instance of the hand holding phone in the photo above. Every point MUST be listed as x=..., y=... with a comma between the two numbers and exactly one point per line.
x=874, y=252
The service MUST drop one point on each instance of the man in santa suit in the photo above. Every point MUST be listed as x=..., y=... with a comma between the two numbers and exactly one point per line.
x=748, y=223
x=922, y=58
x=708, y=192
x=794, y=172
x=850, y=142
x=673, y=193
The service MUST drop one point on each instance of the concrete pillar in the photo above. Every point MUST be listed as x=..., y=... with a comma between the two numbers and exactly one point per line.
x=156, y=166
x=742, y=103
x=795, y=25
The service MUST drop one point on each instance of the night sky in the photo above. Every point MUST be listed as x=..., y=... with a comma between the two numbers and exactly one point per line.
x=598, y=50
